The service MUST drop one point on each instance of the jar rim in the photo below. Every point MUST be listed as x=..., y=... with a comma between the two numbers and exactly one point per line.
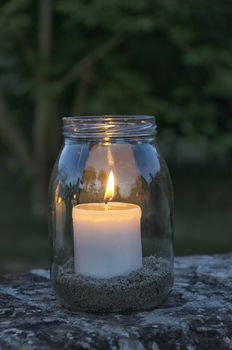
x=106, y=117
x=108, y=126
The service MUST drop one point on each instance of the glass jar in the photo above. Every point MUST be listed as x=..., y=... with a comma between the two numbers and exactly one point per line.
x=111, y=207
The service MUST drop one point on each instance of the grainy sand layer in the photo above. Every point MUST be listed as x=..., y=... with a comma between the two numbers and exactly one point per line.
x=142, y=289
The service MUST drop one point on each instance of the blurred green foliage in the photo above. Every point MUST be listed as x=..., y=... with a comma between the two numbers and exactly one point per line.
x=168, y=58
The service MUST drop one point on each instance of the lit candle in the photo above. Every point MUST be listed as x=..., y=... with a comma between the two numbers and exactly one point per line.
x=107, y=237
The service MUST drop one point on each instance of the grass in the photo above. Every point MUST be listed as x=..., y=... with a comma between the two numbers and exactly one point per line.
x=203, y=211
x=203, y=216
x=23, y=240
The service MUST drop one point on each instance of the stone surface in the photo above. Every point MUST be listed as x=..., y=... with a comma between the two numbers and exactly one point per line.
x=197, y=314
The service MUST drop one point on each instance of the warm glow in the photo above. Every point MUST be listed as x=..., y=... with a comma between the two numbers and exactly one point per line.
x=109, y=188
x=59, y=200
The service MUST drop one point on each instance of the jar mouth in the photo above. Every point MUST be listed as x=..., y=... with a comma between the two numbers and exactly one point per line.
x=109, y=126
x=109, y=117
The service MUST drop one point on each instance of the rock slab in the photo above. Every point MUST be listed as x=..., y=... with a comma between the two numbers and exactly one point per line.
x=196, y=316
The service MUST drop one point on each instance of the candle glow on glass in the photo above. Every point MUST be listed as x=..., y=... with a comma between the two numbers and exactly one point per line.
x=107, y=237
x=60, y=213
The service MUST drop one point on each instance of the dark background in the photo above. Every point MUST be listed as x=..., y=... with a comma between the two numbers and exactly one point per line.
x=172, y=59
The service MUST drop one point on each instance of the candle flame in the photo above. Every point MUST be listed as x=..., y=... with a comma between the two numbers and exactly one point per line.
x=109, y=194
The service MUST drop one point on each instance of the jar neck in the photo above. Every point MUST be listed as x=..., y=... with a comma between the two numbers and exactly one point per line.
x=110, y=128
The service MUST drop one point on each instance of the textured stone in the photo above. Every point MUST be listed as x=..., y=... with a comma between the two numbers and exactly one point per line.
x=196, y=316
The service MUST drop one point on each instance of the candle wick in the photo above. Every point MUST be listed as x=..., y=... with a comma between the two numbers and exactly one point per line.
x=106, y=204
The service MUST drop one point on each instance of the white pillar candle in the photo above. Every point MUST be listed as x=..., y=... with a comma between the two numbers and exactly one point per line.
x=107, y=239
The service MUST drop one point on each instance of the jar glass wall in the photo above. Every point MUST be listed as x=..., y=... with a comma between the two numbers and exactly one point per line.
x=111, y=207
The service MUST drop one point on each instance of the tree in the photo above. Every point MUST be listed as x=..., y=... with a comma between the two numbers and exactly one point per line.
x=48, y=57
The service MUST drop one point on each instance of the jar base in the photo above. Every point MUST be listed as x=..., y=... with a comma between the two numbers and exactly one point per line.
x=143, y=289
